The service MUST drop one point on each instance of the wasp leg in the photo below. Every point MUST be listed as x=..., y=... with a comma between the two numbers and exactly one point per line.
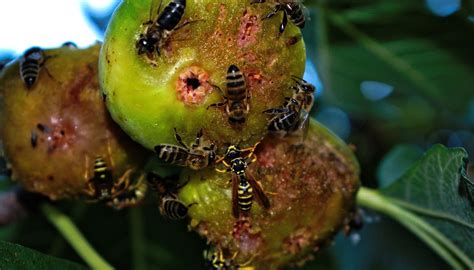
x=217, y=104
x=153, y=5
x=284, y=23
x=251, y=149
x=131, y=196
x=218, y=88
x=252, y=160
x=46, y=58
x=197, y=142
x=277, y=8
x=228, y=169
x=90, y=191
x=257, y=1
x=179, y=139
x=185, y=23
x=298, y=80
x=223, y=171
x=191, y=204
x=49, y=74
x=181, y=185
x=122, y=184
x=276, y=111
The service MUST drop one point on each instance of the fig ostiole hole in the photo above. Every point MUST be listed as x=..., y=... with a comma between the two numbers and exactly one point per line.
x=193, y=83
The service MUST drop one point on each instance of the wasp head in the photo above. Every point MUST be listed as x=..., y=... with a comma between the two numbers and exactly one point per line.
x=145, y=44
x=308, y=88
x=232, y=152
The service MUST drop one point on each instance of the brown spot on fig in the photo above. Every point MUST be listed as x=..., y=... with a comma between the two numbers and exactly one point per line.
x=250, y=26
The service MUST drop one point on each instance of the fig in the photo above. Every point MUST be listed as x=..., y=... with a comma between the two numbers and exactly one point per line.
x=54, y=129
x=311, y=186
x=150, y=93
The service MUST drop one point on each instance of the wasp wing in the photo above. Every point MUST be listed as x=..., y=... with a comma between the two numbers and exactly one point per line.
x=155, y=10
x=304, y=123
x=235, y=203
x=260, y=195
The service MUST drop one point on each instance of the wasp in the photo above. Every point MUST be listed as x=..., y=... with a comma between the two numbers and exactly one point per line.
x=294, y=114
x=215, y=260
x=196, y=157
x=285, y=119
x=236, y=100
x=244, y=185
x=292, y=9
x=30, y=66
x=303, y=92
x=120, y=194
x=158, y=30
x=129, y=196
x=170, y=205
x=70, y=45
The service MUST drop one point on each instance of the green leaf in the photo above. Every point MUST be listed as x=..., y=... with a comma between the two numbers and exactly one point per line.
x=17, y=257
x=396, y=163
x=426, y=59
x=431, y=189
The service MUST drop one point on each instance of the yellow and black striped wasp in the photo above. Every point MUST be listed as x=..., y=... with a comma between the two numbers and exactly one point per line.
x=117, y=194
x=244, y=185
x=165, y=188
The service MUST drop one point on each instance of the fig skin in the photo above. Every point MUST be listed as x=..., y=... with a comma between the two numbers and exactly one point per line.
x=311, y=187
x=144, y=98
x=67, y=115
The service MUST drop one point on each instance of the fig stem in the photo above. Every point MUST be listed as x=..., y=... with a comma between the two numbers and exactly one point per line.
x=372, y=199
x=74, y=237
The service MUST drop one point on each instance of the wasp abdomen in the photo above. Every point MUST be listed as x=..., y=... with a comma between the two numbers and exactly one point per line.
x=236, y=88
x=102, y=180
x=30, y=66
x=174, y=209
x=29, y=72
x=295, y=11
x=245, y=196
x=171, y=153
x=172, y=14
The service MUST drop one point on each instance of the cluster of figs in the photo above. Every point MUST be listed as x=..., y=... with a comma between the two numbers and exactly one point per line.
x=213, y=88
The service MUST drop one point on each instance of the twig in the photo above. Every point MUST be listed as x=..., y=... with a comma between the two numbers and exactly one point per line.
x=74, y=237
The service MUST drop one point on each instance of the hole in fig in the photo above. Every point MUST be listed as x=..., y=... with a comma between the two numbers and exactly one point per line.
x=193, y=83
